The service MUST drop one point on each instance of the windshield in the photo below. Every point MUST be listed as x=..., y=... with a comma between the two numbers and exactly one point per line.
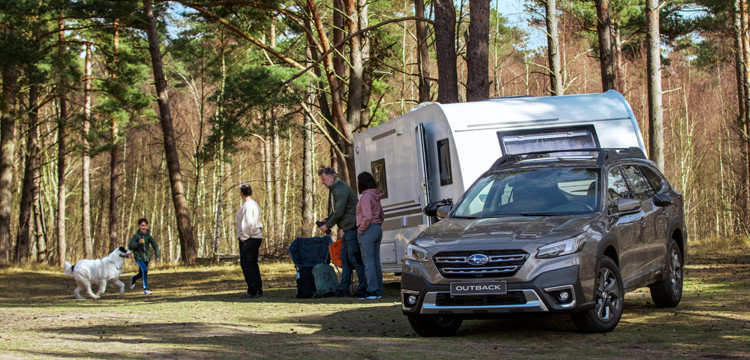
x=558, y=191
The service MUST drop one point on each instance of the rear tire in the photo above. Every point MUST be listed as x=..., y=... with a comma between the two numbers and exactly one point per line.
x=668, y=292
x=434, y=325
x=609, y=296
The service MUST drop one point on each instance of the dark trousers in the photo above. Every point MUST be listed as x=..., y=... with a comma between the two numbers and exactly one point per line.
x=351, y=259
x=249, y=263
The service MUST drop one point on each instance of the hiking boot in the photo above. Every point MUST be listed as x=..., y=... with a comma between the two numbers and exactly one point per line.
x=252, y=296
x=132, y=283
x=341, y=293
x=147, y=292
x=360, y=293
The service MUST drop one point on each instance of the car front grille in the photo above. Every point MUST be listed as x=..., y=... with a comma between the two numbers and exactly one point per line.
x=502, y=263
x=511, y=298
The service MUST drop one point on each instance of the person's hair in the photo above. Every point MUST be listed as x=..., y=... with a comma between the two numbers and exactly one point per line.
x=365, y=181
x=246, y=189
x=142, y=220
x=327, y=170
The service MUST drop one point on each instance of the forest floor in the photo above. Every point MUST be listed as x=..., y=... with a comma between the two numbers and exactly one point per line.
x=196, y=312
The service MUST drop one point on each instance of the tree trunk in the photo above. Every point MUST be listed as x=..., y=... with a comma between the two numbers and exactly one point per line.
x=606, y=58
x=343, y=156
x=26, y=219
x=114, y=159
x=182, y=212
x=477, y=61
x=339, y=65
x=445, y=50
x=619, y=66
x=61, y=150
x=553, y=49
x=423, y=54
x=656, y=123
x=354, y=102
x=308, y=149
x=7, y=156
x=88, y=245
x=277, y=191
x=745, y=120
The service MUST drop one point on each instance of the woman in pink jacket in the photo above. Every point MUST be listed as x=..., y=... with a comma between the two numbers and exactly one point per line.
x=370, y=232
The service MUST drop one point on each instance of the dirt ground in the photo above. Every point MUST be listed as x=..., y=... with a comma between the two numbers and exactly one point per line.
x=197, y=313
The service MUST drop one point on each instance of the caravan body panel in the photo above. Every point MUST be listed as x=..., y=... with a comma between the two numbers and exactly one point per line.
x=437, y=151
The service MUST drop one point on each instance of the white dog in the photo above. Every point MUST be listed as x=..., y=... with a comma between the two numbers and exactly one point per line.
x=87, y=272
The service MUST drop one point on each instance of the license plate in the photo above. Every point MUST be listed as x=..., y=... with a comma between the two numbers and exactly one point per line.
x=479, y=288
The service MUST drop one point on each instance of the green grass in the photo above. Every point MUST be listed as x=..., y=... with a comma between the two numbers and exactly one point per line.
x=196, y=312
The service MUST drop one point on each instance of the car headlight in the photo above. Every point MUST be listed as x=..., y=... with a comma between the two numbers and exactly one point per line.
x=416, y=253
x=560, y=248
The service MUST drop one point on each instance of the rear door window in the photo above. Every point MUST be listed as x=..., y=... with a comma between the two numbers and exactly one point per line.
x=636, y=180
x=656, y=181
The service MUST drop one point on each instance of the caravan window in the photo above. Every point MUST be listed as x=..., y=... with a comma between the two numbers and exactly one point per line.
x=378, y=172
x=444, y=162
x=549, y=139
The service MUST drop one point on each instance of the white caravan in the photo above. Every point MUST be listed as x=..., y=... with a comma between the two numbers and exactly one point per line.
x=437, y=151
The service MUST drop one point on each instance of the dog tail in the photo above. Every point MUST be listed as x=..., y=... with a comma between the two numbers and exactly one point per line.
x=68, y=268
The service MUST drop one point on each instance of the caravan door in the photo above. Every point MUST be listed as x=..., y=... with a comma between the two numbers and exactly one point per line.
x=424, y=168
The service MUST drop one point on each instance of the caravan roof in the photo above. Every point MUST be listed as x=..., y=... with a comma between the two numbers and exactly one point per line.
x=545, y=111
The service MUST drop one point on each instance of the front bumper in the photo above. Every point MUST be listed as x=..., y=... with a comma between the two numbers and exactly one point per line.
x=538, y=295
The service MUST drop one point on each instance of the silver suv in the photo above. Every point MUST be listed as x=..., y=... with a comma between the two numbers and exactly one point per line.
x=548, y=232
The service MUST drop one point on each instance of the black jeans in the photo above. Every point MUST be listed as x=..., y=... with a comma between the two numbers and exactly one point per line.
x=249, y=262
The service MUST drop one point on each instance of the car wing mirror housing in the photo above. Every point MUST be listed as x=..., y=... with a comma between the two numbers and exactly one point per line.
x=662, y=200
x=625, y=205
x=438, y=208
x=442, y=211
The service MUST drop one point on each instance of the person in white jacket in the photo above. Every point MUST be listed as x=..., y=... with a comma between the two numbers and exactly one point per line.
x=250, y=235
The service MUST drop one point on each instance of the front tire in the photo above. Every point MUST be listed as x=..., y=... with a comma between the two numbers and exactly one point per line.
x=434, y=325
x=609, y=296
x=668, y=292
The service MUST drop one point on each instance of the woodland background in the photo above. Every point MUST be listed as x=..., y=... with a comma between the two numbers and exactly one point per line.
x=116, y=110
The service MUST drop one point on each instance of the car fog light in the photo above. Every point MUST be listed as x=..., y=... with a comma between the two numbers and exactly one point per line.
x=563, y=296
x=411, y=300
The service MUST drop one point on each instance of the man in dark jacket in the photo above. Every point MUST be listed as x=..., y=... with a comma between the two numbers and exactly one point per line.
x=343, y=214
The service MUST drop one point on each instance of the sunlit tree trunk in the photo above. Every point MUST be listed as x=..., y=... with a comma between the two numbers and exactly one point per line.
x=88, y=245
x=114, y=160
x=656, y=122
x=553, y=48
x=423, y=54
x=308, y=149
x=61, y=150
x=182, y=212
x=606, y=59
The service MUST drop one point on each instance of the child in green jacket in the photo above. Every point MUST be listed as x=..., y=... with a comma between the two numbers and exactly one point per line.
x=139, y=245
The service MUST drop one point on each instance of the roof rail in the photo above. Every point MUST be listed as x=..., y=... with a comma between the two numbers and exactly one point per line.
x=512, y=158
x=613, y=154
x=603, y=155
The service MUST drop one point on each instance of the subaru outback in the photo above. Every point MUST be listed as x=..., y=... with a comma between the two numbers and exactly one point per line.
x=548, y=232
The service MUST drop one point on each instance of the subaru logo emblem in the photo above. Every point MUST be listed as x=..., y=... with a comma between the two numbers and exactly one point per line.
x=478, y=259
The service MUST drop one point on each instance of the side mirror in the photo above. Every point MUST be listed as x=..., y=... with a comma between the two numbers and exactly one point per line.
x=662, y=200
x=442, y=212
x=625, y=205
x=435, y=208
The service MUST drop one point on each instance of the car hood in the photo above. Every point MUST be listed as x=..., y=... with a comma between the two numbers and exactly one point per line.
x=538, y=229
